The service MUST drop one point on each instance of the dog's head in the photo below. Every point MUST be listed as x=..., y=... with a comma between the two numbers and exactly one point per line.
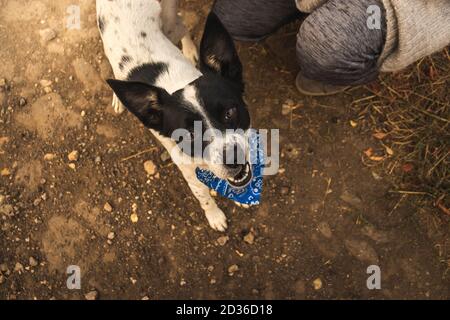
x=215, y=101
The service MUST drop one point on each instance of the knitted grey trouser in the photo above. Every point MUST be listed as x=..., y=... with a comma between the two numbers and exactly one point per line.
x=334, y=44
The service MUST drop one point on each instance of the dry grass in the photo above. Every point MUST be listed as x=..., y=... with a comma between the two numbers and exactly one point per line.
x=409, y=114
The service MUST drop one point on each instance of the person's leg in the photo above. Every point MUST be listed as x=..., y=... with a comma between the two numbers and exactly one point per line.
x=336, y=47
x=253, y=20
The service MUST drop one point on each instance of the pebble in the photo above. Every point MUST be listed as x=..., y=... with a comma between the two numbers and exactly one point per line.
x=47, y=34
x=22, y=102
x=232, y=269
x=108, y=207
x=33, y=262
x=165, y=156
x=98, y=160
x=223, y=240
x=111, y=235
x=2, y=82
x=317, y=284
x=18, y=267
x=250, y=238
x=150, y=167
x=72, y=166
x=134, y=218
x=45, y=83
x=49, y=157
x=93, y=295
x=73, y=156
x=5, y=172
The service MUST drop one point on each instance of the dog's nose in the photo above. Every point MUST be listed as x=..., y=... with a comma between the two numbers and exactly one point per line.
x=234, y=157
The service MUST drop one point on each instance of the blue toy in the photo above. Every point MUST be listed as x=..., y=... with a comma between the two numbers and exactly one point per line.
x=248, y=195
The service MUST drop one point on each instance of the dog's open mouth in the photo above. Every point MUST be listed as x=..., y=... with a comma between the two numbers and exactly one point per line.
x=243, y=178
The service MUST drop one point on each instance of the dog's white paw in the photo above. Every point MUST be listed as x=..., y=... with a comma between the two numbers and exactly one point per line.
x=117, y=105
x=189, y=49
x=217, y=219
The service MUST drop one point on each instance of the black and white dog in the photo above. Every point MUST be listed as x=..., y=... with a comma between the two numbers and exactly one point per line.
x=164, y=90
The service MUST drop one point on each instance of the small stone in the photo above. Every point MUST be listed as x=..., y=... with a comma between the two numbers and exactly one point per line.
x=5, y=172
x=2, y=82
x=134, y=218
x=150, y=167
x=73, y=156
x=33, y=262
x=18, y=267
x=47, y=34
x=22, y=102
x=250, y=238
x=72, y=166
x=317, y=284
x=232, y=269
x=223, y=240
x=45, y=83
x=145, y=298
x=98, y=160
x=107, y=207
x=93, y=295
x=49, y=157
x=111, y=235
x=165, y=156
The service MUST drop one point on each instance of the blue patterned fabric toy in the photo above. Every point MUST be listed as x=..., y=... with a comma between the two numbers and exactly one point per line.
x=248, y=195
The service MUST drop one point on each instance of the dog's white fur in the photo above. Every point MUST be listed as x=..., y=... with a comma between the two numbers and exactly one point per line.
x=125, y=22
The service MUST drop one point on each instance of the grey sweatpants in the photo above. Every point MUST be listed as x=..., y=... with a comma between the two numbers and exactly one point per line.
x=334, y=43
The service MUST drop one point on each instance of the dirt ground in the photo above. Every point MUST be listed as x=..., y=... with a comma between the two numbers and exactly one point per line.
x=324, y=218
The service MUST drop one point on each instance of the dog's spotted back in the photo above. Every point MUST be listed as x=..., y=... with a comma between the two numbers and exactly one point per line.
x=132, y=34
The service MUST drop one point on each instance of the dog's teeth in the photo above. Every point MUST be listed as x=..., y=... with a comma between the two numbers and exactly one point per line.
x=213, y=193
x=238, y=204
x=245, y=206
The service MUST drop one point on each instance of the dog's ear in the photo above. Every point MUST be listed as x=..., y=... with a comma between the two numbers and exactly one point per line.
x=217, y=50
x=142, y=100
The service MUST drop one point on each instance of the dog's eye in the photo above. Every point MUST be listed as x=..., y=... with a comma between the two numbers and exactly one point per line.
x=230, y=114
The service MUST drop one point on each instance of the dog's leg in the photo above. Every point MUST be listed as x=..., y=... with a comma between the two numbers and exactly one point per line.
x=216, y=218
x=189, y=48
